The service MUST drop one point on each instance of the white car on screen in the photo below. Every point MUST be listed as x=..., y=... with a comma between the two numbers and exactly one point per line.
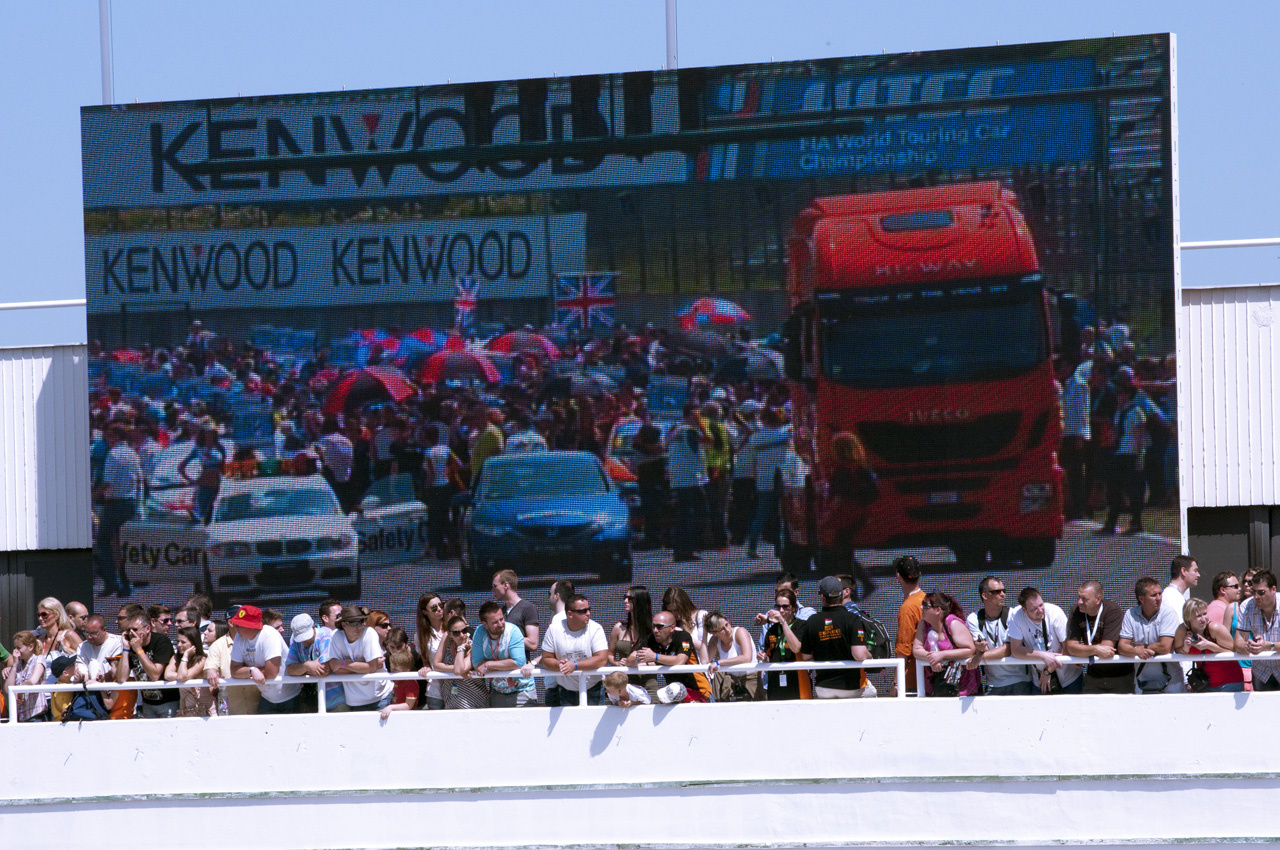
x=391, y=523
x=268, y=537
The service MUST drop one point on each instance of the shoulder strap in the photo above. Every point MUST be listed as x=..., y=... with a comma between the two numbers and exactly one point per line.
x=1004, y=617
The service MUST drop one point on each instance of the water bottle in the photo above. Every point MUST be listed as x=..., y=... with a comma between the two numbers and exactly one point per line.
x=223, y=709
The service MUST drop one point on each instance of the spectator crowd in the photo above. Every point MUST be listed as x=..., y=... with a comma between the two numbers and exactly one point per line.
x=489, y=657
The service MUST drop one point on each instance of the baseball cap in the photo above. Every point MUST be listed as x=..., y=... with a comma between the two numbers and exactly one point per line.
x=831, y=587
x=247, y=617
x=60, y=664
x=673, y=693
x=302, y=627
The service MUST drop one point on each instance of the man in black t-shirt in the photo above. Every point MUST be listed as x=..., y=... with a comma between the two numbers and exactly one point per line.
x=1093, y=631
x=149, y=654
x=521, y=613
x=670, y=646
x=835, y=634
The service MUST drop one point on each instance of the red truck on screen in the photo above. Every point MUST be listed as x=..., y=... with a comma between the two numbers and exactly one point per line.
x=920, y=322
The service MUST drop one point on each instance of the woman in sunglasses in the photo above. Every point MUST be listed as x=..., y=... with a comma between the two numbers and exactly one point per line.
x=431, y=631
x=59, y=636
x=781, y=644
x=632, y=632
x=944, y=643
x=454, y=656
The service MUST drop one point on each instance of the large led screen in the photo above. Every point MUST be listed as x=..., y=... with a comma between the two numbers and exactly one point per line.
x=332, y=333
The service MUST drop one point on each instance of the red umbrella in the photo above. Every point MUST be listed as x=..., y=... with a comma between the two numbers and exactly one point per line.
x=370, y=382
x=525, y=342
x=712, y=311
x=453, y=365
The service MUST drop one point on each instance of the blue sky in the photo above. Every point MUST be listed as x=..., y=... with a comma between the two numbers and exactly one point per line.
x=1228, y=86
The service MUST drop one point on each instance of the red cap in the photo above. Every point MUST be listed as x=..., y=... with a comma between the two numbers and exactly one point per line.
x=248, y=617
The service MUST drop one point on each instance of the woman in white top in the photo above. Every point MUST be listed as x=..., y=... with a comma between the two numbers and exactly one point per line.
x=431, y=632
x=729, y=645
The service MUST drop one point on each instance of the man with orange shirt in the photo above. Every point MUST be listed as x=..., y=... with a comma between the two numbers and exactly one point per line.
x=908, y=572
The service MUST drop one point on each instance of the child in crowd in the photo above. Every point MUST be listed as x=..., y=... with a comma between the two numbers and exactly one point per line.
x=28, y=670
x=622, y=693
x=64, y=669
x=405, y=695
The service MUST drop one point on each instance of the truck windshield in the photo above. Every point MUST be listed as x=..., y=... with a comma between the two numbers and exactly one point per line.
x=957, y=342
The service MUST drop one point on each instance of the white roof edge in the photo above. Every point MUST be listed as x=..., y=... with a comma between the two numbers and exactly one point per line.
x=1186, y=285
x=4, y=347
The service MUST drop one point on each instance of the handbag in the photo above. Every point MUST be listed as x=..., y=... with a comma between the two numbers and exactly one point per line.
x=1197, y=680
x=946, y=682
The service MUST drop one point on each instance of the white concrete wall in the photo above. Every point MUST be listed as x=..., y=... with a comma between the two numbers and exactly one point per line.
x=1029, y=771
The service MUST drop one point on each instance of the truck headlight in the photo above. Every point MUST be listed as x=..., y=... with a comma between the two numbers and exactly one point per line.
x=1035, y=497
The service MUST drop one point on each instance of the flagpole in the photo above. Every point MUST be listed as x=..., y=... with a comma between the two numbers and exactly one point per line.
x=104, y=49
x=671, y=35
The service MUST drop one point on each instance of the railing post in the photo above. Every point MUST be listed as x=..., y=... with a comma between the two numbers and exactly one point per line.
x=582, y=690
x=900, y=676
x=919, y=678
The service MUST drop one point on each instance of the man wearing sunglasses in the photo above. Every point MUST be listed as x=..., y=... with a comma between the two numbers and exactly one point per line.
x=571, y=646
x=989, y=626
x=670, y=645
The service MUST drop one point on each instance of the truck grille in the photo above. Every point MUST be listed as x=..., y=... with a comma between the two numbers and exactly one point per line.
x=901, y=444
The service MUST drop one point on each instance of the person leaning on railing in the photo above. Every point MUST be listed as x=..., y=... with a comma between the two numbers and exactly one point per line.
x=944, y=643
x=1258, y=621
x=1148, y=631
x=1199, y=635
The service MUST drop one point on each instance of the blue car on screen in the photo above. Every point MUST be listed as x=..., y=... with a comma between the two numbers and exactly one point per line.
x=542, y=513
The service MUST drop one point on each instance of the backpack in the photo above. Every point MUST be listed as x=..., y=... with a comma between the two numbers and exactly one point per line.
x=875, y=634
x=1004, y=619
x=85, y=705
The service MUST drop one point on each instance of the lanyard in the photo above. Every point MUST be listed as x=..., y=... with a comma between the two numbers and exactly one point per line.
x=1090, y=631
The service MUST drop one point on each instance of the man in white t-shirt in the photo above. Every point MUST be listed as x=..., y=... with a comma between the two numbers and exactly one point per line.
x=258, y=653
x=355, y=649
x=989, y=626
x=1148, y=631
x=1184, y=574
x=101, y=654
x=1037, y=631
x=572, y=645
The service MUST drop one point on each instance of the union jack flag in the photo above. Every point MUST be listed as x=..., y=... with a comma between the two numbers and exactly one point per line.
x=586, y=301
x=466, y=296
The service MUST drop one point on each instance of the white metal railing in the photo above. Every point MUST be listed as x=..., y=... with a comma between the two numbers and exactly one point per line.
x=922, y=667
x=898, y=665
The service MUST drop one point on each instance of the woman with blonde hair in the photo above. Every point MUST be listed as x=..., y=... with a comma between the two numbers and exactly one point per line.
x=60, y=636
x=729, y=645
x=851, y=490
x=1199, y=634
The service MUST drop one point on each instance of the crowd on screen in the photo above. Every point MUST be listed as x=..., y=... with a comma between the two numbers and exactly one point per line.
x=960, y=654
x=716, y=467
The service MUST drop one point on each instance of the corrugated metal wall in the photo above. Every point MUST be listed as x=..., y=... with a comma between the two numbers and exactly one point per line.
x=44, y=448
x=1228, y=405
